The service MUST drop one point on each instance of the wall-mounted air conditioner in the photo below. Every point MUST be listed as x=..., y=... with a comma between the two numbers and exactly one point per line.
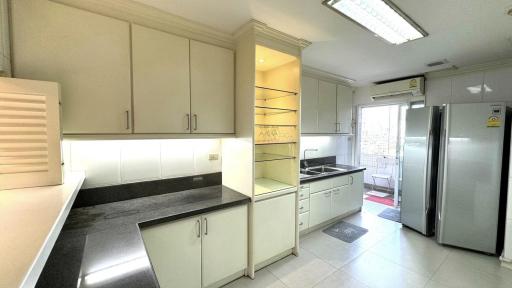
x=409, y=88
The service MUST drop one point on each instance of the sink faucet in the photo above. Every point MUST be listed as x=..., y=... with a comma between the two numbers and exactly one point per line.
x=305, y=161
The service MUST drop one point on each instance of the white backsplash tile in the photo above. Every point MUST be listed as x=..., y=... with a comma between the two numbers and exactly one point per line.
x=202, y=149
x=140, y=160
x=177, y=158
x=113, y=162
x=99, y=159
x=339, y=146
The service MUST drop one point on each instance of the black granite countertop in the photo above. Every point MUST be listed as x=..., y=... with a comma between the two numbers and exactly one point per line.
x=101, y=246
x=347, y=169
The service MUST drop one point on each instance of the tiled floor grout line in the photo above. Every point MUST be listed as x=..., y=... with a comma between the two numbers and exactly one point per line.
x=437, y=269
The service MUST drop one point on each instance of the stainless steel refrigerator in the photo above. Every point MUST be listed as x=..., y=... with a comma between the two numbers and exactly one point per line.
x=419, y=169
x=473, y=171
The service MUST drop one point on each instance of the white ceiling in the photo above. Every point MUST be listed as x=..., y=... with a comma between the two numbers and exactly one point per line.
x=465, y=32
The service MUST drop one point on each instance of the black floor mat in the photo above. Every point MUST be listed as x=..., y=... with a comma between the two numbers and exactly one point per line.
x=344, y=231
x=391, y=214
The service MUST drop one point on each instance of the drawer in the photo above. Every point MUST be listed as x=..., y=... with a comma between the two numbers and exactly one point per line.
x=340, y=181
x=321, y=185
x=303, y=205
x=303, y=192
x=303, y=221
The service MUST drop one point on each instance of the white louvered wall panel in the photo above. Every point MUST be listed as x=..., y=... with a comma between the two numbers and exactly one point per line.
x=29, y=133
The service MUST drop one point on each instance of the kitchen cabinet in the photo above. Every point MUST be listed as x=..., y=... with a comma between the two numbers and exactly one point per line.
x=87, y=54
x=175, y=252
x=161, y=83
x=326, y=107
x=303, y=221
x=319, y=207
x=309, y=105
x=356, y=191
x=498, y=85
x=274, y=227
x=202, y=251
x=344, y=109
x=212, y=78
x=438, y=91
x=341, y=201
x=467, y=88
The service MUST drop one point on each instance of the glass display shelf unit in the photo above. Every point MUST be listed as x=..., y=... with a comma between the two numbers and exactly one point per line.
x=263, y=157
x=266, y=185
x=267, y=93
x=264, y=110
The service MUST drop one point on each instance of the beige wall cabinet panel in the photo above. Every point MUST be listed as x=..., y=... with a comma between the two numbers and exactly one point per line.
x=274, y=227
x=175, y=252
x=309, y=105
x=498, y=85
x=326, y=107
x=87, y=54
x=161, y=82
x=438, y=91
x=224, y=244
x=344, y=109
x=467, y=88
x=212, y=88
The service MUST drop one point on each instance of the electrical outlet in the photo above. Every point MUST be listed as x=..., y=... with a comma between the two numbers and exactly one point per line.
x=213, y=157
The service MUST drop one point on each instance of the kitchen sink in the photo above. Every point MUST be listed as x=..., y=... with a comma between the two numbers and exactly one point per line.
x=320, y=170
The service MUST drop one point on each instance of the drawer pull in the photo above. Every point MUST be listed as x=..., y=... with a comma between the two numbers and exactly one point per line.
x=301, y=223
x=301, y=195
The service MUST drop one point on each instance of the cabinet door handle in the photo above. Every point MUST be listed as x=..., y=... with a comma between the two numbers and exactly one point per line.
x=327, y=194
x=127, y=119
x=301, y=223
x=205, y=226
x=188, y=122
x=301, y=195
x=351, y=180
x=198, y=228
x=195, y=122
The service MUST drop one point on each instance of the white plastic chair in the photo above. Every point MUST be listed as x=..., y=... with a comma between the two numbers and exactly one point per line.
x=381, y=166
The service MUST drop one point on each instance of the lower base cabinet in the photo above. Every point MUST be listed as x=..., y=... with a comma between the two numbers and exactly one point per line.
x=319, y=207
x=274, y=227
x=213, y=246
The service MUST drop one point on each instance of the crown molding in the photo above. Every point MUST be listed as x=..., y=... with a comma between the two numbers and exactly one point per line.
x=317, y=73
x=138, y=13
x=469, y=69
x=262, y=29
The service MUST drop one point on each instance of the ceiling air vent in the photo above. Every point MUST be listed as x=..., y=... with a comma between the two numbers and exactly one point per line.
x=437, y=63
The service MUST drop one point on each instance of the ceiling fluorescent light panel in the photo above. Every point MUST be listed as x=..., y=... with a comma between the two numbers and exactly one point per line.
x=380, y=17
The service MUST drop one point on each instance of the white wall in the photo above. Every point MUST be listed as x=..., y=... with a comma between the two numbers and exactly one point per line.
x=113, y=162
x=339, y=146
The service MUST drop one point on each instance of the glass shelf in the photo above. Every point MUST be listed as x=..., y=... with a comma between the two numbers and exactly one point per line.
x=266, y=185
x=267, y=93
x=263, y=157
x=262, y=110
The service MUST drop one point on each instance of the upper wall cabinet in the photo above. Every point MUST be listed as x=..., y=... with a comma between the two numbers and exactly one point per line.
x=212, y=76
x=161, y=82
x=344, y=109
x=498, y=85
x=309, y=107
x=438, y=91
x=467, y=88
x=326, y=107
x=88, y=54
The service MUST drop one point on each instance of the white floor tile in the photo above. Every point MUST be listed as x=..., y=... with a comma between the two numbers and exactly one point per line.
x=262, y=279
x=301, y=272
x=376, y=271
x=340, y=279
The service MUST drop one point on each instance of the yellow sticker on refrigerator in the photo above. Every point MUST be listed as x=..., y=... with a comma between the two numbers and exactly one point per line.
x=493, y=121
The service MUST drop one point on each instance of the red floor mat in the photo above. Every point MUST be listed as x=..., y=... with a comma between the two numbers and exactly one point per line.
x=381, y=200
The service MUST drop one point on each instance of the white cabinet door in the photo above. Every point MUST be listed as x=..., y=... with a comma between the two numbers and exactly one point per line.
x=309, y=105
x=467, y=88
x=212, y=80
x=356, y=191
x=224, y=244
x=326, y=107
x=340, y=201
x=438, y=91
x=86, y=53
x=498, y=85
x=344, y=109
x=319, y=207
x=161, y=84
x=175, y=252
x=274, y=227
x=303, y=221
x=321, y=185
